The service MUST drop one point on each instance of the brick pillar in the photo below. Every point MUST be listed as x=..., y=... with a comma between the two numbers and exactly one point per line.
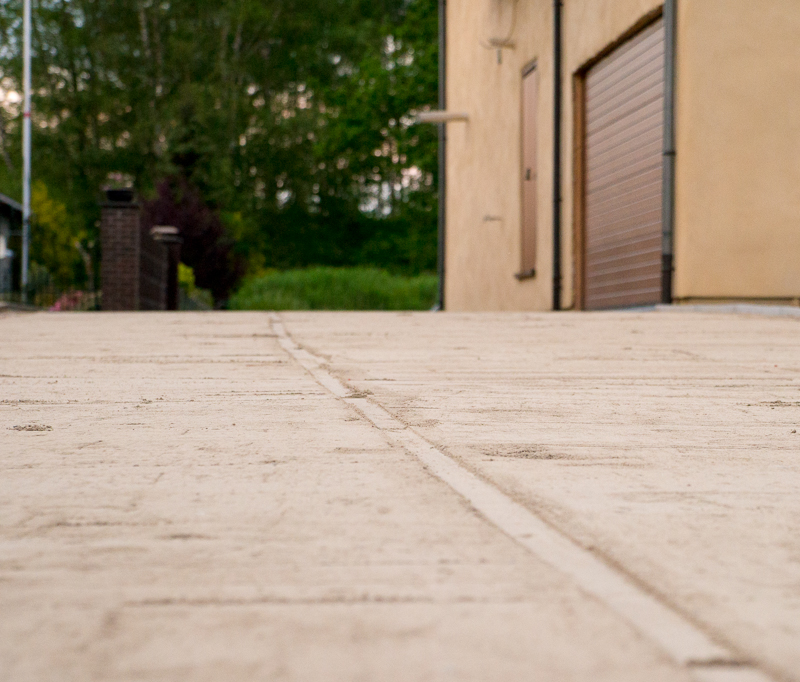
x=169, y=239
x=120, y=237
x=153, y=266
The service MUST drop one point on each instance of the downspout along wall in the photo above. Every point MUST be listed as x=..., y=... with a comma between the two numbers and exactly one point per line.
x=442, y=188
x=557, y=122
x=668, y=215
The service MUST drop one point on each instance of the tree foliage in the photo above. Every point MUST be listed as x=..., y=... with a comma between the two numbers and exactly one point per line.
x=57, y=239
x=290, y=118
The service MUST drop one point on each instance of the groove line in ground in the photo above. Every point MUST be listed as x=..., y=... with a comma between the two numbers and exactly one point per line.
x=677, y=636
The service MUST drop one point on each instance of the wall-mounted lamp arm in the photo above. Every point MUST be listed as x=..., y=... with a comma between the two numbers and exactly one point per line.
x=441, y=116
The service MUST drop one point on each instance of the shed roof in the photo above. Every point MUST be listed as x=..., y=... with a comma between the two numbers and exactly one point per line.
x=10, y=203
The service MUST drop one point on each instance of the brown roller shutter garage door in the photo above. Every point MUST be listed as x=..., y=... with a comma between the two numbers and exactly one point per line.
x=624, y=122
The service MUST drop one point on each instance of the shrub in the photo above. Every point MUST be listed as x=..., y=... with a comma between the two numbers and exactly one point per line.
x=327, y=288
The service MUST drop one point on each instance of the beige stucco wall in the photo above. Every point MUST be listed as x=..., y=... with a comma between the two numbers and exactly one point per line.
x=484, y=177
x=738, y=154
x=738, y=172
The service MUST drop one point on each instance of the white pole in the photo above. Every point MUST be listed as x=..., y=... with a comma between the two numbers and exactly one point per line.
x=26, y=145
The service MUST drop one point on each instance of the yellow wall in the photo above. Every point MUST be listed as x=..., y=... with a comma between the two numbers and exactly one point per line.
x=738, y=165
x=738, y=126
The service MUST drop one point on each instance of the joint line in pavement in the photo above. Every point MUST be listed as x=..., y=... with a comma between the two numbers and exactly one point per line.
x=677, y=636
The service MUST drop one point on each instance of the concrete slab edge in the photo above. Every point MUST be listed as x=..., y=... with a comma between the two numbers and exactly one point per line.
x=733, y=309
x=680, y=639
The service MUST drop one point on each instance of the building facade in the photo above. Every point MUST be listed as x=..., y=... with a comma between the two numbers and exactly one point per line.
x=668, y=169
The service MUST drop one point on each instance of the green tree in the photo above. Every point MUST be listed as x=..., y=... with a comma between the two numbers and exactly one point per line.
x=56, y=239
x=291, y=118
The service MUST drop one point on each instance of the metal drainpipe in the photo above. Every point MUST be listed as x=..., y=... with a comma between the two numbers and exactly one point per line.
x=442, y=150
x=557, y=94
x=668, y=210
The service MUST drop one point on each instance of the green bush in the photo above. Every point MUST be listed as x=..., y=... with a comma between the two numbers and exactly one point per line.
x=326, y=288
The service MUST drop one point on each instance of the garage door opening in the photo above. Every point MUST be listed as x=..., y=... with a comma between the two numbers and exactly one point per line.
x=620, y=174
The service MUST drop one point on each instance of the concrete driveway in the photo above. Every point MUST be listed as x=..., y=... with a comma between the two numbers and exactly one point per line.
x=381, y=496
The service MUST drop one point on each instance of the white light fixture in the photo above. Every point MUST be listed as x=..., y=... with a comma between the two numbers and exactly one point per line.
x=500, y=21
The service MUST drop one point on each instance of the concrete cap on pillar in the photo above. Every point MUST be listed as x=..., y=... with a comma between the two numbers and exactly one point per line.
x=166, y=234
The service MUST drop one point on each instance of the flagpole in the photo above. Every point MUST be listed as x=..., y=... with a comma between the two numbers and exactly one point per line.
x=26, y=146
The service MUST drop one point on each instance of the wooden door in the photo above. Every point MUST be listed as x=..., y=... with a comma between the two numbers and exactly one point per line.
x=530, y=103
x=624, y=124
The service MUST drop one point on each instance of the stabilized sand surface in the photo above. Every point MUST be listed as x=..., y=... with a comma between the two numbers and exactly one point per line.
x=181, y=499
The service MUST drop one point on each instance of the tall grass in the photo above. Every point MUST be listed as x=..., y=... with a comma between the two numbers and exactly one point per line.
x=326, y=288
